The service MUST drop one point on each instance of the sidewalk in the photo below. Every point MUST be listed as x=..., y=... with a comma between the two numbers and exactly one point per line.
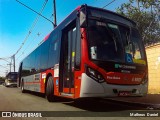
x=151, y=100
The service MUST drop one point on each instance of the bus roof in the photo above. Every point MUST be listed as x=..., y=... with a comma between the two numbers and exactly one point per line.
x=105, y=10
x=73, y=15
x=90, y=7
x=11, y=73
x=47, y=37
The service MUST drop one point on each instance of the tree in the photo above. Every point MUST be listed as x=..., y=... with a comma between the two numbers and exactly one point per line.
x=2, y=79
x=145, y=14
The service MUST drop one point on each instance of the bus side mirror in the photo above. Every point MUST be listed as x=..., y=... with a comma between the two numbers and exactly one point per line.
x=83, y=19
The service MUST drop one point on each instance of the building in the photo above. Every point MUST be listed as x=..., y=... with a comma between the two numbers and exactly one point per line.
x=153, y=57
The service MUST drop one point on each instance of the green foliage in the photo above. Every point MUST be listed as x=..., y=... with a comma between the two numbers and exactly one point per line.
x=144, y=13
x=2, y=78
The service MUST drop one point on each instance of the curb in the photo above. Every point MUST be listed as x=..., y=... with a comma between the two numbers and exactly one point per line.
x=149, y=106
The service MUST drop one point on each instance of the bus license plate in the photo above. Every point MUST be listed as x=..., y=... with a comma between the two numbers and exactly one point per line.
x=124, y=93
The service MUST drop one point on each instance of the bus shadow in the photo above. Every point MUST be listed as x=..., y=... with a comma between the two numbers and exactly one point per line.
x=42, y=95
x=13, y=87
x=101, y=105
x=93, y=105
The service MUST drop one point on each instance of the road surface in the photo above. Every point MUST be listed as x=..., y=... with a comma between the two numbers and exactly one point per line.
x=11, y=99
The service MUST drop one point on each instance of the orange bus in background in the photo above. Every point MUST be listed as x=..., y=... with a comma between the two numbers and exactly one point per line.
x=92, y=53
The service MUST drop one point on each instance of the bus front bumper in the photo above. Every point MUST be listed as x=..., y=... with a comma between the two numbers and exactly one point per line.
x=10, y=84
x=91, y=88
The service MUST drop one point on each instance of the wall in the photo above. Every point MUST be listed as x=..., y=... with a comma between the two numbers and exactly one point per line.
x=153, y=57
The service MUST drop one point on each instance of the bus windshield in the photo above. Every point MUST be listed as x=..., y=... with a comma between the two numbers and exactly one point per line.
x=12, y=76
x=113, y=42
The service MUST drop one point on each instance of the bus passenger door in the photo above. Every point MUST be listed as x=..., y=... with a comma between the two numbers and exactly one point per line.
x=67, y=62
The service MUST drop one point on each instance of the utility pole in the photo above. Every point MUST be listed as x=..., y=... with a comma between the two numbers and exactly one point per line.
x=54, y=14
x=34, y=11
x=13, y=57
x=6, y=72
x=9, y=66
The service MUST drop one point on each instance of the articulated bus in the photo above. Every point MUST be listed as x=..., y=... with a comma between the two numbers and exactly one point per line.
x=92, y=53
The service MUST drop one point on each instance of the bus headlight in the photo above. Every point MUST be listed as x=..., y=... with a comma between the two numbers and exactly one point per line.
x=94, y=75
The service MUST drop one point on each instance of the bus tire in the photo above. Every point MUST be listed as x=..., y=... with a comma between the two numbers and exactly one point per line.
x=22, y=87
x=50, y=89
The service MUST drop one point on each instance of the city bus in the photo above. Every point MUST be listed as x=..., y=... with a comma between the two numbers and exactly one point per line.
x=92, y=53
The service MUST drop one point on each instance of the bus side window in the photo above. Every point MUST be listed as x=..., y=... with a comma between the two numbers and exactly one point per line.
x=44, y=55
x=37, y=62
x=53, y=51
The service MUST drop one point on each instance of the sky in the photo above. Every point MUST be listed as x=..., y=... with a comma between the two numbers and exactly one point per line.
x=16, y=21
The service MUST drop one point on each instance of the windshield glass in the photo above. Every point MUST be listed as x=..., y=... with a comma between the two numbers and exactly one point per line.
x=13, y=76
x=137, y=48
x=112, y=42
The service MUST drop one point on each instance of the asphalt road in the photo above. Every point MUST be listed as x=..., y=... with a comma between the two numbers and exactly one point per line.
x=11, y=99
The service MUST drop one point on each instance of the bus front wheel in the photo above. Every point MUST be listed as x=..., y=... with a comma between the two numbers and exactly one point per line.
x=50, y=90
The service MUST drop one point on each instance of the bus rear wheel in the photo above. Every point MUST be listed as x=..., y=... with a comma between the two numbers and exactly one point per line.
x=50, y=90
